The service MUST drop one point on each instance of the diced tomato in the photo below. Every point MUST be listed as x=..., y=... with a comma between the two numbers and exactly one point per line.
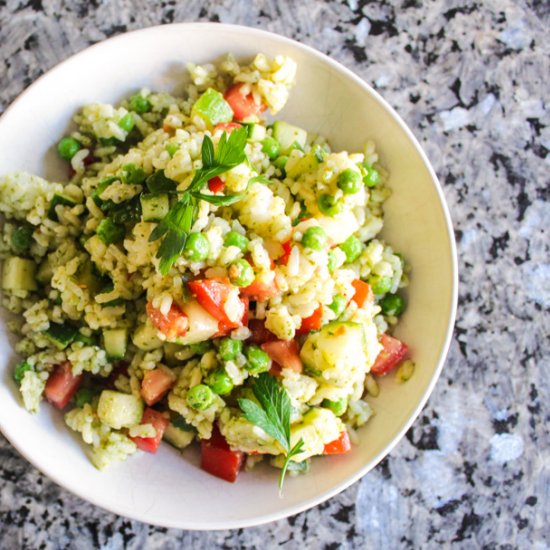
x=175, y=323
x=246, y=303
x=338, y=446
x=212, y=295
x=393, y=352
x=243, y=105
x=259, y=334
x=313, y=322
x=363, y=293
x=284, y=353
x=62, y=385
x=227, y=126
x=159, y=422
x=218, y=459
x=155, y=384
x=287, y=248
x=216, y=184
x=262, y=289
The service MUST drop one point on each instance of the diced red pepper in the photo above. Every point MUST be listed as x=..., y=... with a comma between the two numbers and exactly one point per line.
x=259, y=334
x=287, y=248
x=363, y=293
x=243, y=105
x=392, y=353
x=155, y=384
x=228, y=126
x=159, y=422
x=216, y=184
x=218, y=459
x=212, y=295
x=175, y=323
x=313, y=322
x=338, y=446
x=284, y=353
x=62, y=384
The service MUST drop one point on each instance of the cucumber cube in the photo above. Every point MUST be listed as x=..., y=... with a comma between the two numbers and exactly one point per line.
x=212, y=107
x=61, y=335
x=256, y=132
x=154, y=206
x=288, y=135
x=119, y=410
x=114, y=341
x=59, y=198
x=18, y=274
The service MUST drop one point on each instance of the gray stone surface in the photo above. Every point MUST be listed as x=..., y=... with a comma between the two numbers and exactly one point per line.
x=471, y=79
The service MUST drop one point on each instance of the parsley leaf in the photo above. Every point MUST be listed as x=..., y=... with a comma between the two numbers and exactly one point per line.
x=175, y=228
x=219, y=200
x=176, y=225
x=297, y=449
x=272, y=415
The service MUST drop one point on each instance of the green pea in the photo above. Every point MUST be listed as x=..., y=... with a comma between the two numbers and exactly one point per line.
x=349, y=181
x=20, y=370
x=241, y=273
x=258, y=361
x=236, y=239
x=229, y=349
x=352, y=248
x=197, y=247
x=199, y=348
x=271, y=147
x=371, y=177
x=329, y=206
x=172, y=148
x=83, y=396
x=127, y=122
x=337, y=407
x=314, y=238
x=21, y=238
x=140, y=104
x=68, y=147
x=393, y=305
x=380, y=285
x=220, y=382
x=338, y=304
x=200, y=397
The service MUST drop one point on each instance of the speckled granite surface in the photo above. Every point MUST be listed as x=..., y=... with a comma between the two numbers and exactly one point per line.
x=471, y=79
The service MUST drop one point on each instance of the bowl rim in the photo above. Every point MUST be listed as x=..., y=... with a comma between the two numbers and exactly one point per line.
x=318, y=499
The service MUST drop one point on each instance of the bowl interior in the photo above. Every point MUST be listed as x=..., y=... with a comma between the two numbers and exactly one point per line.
x=169, y=489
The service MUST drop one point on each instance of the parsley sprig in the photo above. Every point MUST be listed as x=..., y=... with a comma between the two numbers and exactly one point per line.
x=272, y=415
x=174, y=228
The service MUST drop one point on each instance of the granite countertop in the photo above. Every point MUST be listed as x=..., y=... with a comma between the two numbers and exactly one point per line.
x=471, y=80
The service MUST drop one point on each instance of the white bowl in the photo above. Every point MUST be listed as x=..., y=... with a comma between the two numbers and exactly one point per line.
x=170, y=489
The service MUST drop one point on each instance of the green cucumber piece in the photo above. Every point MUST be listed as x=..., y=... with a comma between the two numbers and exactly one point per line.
x=44, y=273
x=61, y=335
x=256, y=132
x=212, y=107
x=297, y=166
x=114, y=342
x=176, y=437
x=288, y=134
x=119, y=410
x=19, y=274
x=154, y=206
x=59, y=198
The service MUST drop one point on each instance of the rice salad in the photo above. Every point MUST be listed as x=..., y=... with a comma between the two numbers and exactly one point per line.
x=204, y=275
